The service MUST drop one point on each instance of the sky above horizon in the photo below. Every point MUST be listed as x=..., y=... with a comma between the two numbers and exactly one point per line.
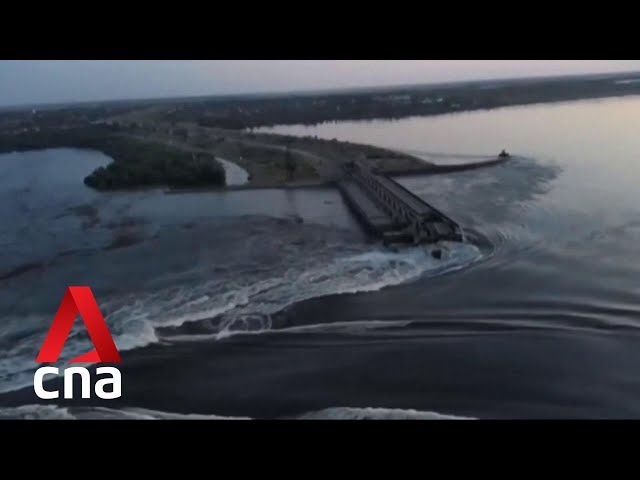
x=51, y=81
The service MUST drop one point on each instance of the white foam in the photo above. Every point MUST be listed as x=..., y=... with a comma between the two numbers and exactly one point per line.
x=234, y=173
x=357, y=326
x=365, y=272
x=35, y=412
x=54, y=412
x=244, y=302
x=369, y=413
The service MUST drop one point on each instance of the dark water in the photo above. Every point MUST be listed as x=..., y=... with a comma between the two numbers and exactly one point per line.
x=274, y=304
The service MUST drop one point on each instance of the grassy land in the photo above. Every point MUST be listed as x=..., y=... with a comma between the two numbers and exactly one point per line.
x=264, y=155
x=136, y=163
x=143, y=164
x=186, y=160
x=185, y=157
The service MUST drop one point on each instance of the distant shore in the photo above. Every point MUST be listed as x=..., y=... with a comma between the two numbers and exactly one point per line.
x=393, y=102
x=175, y=143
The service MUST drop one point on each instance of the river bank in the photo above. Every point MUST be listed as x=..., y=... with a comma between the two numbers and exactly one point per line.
x=419, y=170
x=195, y=157
x=195, y=132
x=229, y=305
x=388, y=102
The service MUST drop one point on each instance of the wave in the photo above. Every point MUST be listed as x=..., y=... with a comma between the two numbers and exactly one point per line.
x=370, y=413
x=242, y=300
x=366, y=272
x=235, y=174
x=54, y=412
x=353, y=327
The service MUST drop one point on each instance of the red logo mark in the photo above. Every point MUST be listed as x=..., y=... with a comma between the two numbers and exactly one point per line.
x=79, y=300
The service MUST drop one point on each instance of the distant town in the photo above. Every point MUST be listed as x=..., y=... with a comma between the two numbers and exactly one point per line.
x=175, y=142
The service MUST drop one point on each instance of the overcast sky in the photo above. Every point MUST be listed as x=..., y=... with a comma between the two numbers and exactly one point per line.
x=44, y=81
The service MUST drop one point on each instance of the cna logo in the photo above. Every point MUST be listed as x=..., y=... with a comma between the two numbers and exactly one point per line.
x=79, y=300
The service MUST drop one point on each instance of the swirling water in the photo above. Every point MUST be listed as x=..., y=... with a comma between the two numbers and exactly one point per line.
x=273, y=303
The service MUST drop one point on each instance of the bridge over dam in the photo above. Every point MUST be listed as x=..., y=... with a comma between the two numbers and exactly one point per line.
x=390, y=211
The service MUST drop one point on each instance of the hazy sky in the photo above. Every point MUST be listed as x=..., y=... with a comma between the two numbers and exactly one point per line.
x=42, y=81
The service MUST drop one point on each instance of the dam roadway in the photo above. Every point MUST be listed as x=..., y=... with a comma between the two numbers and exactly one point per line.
x=391, y=212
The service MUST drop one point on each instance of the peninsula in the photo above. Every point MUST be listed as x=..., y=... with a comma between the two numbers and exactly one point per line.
x=177, y=142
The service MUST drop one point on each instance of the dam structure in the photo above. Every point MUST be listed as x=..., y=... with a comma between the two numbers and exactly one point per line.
x=391, y=212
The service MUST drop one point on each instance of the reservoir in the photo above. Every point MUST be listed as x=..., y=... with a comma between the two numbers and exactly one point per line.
x=273, y=303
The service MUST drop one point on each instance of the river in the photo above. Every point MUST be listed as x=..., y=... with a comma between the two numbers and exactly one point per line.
x=273, y=303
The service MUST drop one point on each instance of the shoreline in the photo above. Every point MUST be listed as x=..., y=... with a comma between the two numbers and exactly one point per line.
x=266, y=129
x=165, y=144
x=430, y=169
x=232, y=188
x=260, y=158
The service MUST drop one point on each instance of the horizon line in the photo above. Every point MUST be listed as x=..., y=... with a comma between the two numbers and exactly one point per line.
x=16, y=107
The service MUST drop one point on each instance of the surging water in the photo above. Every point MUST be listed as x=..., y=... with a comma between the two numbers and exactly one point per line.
x=154, y=267
x=539, y=319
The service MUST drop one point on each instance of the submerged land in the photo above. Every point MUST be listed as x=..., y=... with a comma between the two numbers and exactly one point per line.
x=177, y=142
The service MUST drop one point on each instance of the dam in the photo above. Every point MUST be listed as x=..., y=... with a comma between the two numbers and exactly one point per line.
x=389, y=211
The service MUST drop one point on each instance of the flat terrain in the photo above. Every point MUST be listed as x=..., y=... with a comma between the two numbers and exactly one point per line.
x=264, y=155
x=183, y=156
x=181, y=137
x=249, y=112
